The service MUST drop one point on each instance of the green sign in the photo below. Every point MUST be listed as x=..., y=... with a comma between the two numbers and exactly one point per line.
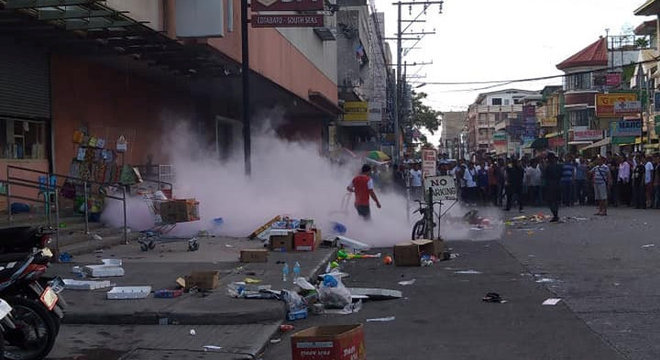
x=618, y=140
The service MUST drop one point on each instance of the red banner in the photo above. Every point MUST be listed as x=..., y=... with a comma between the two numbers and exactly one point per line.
x=287, y=5
x=260, y=21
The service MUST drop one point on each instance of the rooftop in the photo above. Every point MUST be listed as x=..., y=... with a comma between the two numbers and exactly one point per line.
x=593, y=55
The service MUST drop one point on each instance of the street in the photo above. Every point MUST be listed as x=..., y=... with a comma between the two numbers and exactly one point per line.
x=602, y=268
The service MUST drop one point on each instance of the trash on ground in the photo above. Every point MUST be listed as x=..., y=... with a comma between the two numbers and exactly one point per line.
x=193, y=332
x=418, y=252
x=97, y=237
x=264, y=228
x=248, y=280
x=351, y=308
x=407, y=282
x=376, y=294
x=342, y=255
x=545, y=280
x=254, y=255
x=275, y=341
x=351, y=243
x=338, y=228
x=128, y=292
x=250, y=291
x=493, y=297
x=65, y=257
x=203, y=280
x=296, y=307
x=333, y=294
x=229, y=245
x=382, y=319
x=71, y=284
x=467, y=272
x=303, y=283
x=551, y=301
x=329, y=342
x=168, y=293
x=387, y=260
x=211, y=347
x=647, y=246
x=286, y=328
x=109, y=268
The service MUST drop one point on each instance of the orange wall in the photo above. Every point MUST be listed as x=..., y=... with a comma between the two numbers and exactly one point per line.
x=111, y=103
x=272, y=56
x=40, y=165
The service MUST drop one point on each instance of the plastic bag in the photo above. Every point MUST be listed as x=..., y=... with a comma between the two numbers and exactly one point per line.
x=333, y=294
x=294, y=302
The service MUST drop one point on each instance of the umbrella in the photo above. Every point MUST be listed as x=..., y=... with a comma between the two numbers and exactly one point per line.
x=378, y=155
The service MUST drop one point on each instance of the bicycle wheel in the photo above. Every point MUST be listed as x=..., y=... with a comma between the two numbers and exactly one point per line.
x=419, y=230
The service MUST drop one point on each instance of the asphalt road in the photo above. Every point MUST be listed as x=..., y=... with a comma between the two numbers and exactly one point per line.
x=442, y=315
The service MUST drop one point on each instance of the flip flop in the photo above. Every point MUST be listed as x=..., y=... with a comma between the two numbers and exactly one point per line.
x=492, y=297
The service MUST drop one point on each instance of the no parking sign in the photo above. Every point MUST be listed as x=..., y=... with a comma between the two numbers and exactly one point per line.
x=443, y=187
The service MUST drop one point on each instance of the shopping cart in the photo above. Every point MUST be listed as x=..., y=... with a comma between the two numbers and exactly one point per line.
x=164, y=223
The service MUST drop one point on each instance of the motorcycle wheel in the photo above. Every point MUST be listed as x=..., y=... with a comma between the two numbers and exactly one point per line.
x=35, y=331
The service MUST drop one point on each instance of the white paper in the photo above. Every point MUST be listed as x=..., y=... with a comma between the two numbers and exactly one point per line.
x=648, y=245
x=545, y=280
x=211, y=347
x=383, y=319
x=551, y=301
x=407, y=282
x=468, y=272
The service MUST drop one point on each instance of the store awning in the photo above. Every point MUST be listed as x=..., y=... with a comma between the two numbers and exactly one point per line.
x=540, y=143
x=580, y=142
x=554, y=134
x=599, y=143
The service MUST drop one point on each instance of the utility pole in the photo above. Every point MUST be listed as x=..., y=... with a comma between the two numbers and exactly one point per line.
x=245, y=75
x=399, y=52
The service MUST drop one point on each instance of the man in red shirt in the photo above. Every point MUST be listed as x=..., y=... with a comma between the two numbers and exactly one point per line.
x=363, y=187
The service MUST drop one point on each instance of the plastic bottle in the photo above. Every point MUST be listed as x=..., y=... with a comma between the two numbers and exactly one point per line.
x=285, y=272
x=296, y=271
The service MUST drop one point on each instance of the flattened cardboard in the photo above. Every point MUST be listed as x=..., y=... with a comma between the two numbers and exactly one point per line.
x=254, y=256
x=205, y=280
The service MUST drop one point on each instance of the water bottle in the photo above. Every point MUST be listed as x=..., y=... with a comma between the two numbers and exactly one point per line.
x=296, y=271
x=285, y=272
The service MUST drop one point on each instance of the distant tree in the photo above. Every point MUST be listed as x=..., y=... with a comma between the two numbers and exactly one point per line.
x=424, y=116
x=642, y=42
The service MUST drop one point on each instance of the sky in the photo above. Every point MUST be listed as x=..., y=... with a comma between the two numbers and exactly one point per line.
x=480, y=40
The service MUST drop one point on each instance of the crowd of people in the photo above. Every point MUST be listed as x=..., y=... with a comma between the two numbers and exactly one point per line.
x=631, y=180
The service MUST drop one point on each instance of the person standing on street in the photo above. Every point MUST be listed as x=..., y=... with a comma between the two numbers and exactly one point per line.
x=533, y=177
x=493, y=169
x=416, y=182
x=639, y=175
x=648, y=182
x=623, y=182
x=471, y=190
x=567, y=177
x=552, y=177
x=602, y=180
x=363, y=187
x=581, y=170
x=514, y=184
x=656, y=183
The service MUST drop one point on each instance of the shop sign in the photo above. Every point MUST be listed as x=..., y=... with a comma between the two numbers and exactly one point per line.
x=549, y=121
x=587, y=135
x=357, y=111
x=429, y=161
x=262, y=21
x=556, y=141
x=615, y=105
x=613, y=79
x=442, y=187
x=287, y=5
x=619, y=140
x=626, y=128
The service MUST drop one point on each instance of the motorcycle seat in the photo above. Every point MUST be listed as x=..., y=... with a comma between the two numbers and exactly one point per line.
x=5, y=259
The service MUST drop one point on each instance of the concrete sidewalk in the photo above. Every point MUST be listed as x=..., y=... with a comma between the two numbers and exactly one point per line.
x=159, y=268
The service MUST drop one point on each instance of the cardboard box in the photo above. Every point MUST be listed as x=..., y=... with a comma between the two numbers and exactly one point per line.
x=304, y=240
x=205, y=280
x=179, y=210
x=338, y=342
x=254, y=255
x=409, y=253
x=282, y=242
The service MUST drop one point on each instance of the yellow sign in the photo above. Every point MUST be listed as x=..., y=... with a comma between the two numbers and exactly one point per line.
x=605, y=104
x=549, y=121
x=356, y=111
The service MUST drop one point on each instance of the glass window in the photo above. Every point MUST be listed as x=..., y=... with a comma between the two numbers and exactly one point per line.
x=578, y=82
x=22, y=139
x=580, y=117
x=496, y=101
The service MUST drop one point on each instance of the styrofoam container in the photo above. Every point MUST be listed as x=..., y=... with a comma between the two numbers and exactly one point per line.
x=129, y=292
x=280, y=232
x=103, y=271
x=71, y=284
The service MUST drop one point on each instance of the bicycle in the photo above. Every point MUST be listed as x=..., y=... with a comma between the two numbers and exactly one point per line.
x=421, y=227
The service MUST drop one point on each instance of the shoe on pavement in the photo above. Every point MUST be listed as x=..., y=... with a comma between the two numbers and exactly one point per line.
x=554, y=219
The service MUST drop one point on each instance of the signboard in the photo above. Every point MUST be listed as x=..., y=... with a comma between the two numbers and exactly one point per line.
x=287, y=5
x=356, y=111
x=587, y=135
x=261, y=21
x=656, y=101
x=605, y=104
x=613, y=79
x=556, y=141
x=549, y=121
x=620, y=140
x=626, y=128
x=429, y=162
x=627, y=107
x=442, y=187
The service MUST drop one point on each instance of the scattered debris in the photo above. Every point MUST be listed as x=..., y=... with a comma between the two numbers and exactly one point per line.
x=382, y=319
x=229, y=246
x=376, y=294
x=65, y=257
x=351, y=308
x=211, y=347
x=128, y=292
x=407, y=282
x=545, y=280
x=71, y=284
x=551, y=301
x=275, y=341
x=97, y=237
x=467, y=272
x=304, y=284
x=351, y=244
x=251, y=280
x=286, y=328
x=110, y=268
x=493, y=297
x=647, y=246
x=168, y=293
x=193, y=332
